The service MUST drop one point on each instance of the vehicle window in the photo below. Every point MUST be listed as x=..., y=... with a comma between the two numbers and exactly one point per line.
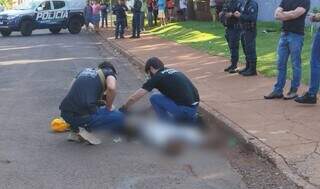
x=59, y=4
x=45, y=5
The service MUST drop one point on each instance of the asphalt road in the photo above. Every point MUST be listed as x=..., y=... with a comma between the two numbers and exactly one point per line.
x=35, y=73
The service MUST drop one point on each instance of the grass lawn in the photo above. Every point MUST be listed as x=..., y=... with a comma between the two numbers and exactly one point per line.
x=209, y=37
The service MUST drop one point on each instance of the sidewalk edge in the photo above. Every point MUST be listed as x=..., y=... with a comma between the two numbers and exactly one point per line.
x=248, y=140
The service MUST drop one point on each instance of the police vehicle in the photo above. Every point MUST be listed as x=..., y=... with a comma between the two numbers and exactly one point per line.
x=43, y=14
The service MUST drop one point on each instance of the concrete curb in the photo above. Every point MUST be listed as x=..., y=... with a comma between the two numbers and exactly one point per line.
x=245, y=138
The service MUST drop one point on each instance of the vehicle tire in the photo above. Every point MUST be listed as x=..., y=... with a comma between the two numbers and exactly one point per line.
x=55, y=30
x=74, y=26
x=26, y=28
x=6, y=33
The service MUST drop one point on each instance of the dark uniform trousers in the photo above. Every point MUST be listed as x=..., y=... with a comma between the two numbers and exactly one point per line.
x=233, y=35
x=248, y=20
x=233, y=30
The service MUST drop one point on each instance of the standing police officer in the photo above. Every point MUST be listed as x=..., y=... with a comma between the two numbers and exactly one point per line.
x=233, y=31
x=248, y=18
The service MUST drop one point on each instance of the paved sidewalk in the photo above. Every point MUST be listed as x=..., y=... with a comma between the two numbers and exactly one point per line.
x=287, y=132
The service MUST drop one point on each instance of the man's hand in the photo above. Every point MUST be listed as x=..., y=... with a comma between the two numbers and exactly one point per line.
x=237, y=14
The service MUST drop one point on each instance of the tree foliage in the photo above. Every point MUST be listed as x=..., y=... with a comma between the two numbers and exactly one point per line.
x=6, y=3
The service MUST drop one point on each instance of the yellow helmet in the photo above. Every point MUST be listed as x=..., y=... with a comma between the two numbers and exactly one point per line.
x=59, y=125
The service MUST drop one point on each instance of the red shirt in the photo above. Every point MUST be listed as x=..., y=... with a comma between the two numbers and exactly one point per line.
x=170, y=4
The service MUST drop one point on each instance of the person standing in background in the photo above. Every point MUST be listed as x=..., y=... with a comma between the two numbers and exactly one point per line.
x=232, y=31
x=143, y=14
x=310, y=97
x=104, y=14
x=248, y=16
x=87, y=13
x=183, y=9
x=120, y=11
x=170, y=7
x=155, y=11
x=136, y=10
x=292, y=14
x=161, y=9
x=96, y=8
x=150, y=12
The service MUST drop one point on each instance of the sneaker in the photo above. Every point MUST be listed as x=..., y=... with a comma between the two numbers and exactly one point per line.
x=88, y=137
x=229, y=68
x=74, y=137
x=307, y=98
x=274, y=95
x=292, y=94
x=233, y=70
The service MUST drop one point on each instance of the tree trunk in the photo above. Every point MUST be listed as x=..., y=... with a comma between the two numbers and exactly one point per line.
x=191, y=13
x=203, y=12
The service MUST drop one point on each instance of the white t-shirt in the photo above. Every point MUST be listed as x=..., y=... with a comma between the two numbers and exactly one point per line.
x=183, y=4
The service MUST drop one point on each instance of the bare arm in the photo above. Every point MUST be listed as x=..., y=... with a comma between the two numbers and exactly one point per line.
x=278, y=11
x=110, y=91
x=291, y=15
x=135, y=97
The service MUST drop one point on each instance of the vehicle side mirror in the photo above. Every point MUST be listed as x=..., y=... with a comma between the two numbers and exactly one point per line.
x=39, y=9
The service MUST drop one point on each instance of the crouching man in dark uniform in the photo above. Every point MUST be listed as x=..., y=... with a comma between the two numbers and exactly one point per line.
x=232, y=32
x=178, y=99
x=248, y=18
x=81, y=107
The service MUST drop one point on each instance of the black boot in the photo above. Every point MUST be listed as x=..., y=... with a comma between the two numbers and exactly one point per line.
x=307, y=98
x=252, y=71
x=244, y=69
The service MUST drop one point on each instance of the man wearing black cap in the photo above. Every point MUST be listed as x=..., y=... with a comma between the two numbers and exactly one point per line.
x=178, y=99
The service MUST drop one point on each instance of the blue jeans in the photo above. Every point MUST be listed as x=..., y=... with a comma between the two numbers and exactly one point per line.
x=102, y=119
x=120, y=25
x=167, y=109
x=136, y=25
x=104, y=17
x=315, y=65
x=289, y=44
x=150, y=18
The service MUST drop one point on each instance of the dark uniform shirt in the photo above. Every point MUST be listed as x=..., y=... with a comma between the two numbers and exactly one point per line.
x=85, y=92
x=174, y=85
x=230, y=6
x=120, y=11
x=249, y=12
x=137, y=6
x=297, y=25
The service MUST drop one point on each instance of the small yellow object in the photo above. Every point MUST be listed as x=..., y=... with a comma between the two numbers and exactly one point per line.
x=59, y=125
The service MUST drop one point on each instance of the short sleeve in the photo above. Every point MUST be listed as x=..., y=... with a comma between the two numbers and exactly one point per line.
x=108, y=72
x=305, y=4
x=151, y=83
